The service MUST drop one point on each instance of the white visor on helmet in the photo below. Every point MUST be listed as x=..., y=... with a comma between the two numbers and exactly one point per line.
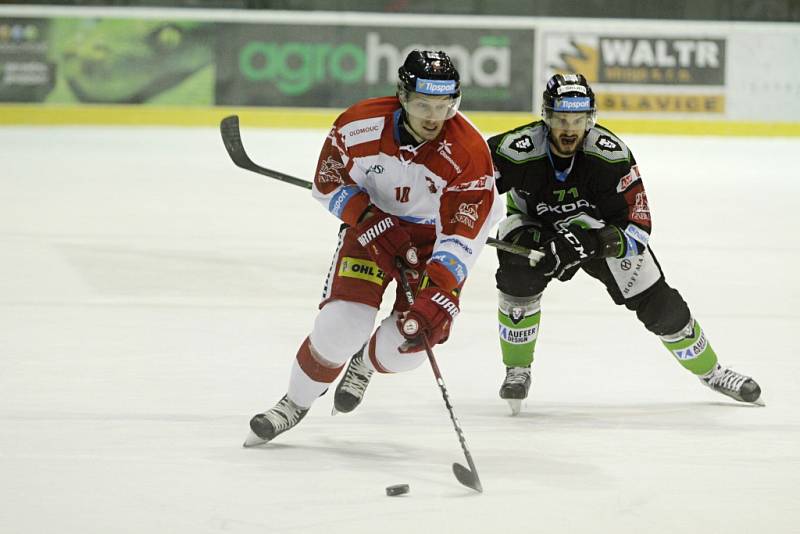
x=435, y=100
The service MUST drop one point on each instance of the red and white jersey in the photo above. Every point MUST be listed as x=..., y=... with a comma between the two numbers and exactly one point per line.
x=447, y=183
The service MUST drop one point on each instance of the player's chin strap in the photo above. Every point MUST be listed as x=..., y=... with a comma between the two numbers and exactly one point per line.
x=561, y=176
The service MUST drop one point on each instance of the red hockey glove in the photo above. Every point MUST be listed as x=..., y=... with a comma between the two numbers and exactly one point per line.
x=432, y=313
x=385, y=240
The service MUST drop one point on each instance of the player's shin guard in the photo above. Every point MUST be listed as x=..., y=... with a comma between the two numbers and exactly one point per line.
x=691, y=348
x=518, y=328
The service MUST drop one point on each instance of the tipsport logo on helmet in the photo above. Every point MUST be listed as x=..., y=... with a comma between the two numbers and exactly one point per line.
x=573, y=103
x=296, y=67
x=436, y=87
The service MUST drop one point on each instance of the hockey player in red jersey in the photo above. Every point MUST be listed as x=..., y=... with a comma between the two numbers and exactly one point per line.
x=575, y=191
x=413, y=182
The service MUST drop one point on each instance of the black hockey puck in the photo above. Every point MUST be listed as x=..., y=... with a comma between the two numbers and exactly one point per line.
x=397, y=489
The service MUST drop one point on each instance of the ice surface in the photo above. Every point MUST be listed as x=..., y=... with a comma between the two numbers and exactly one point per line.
x=153, y=295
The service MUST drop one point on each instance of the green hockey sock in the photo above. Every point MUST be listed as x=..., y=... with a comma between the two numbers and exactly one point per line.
x=517, y=340
x=692, y=349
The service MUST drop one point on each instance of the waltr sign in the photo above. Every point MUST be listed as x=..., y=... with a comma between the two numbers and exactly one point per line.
x=634, y=74
x=334, y=66
x=658, y=61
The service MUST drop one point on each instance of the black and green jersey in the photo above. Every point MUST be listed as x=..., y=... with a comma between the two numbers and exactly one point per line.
x=601, y=185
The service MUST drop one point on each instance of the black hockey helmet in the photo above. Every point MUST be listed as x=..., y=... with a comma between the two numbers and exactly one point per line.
x=430, y=73
x=568, y=93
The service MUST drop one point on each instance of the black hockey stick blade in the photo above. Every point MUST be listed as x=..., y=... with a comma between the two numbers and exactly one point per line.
x=466, y=477
x=231, y=137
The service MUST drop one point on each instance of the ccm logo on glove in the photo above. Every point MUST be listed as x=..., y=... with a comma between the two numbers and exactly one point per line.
x=576, y=243
x=568, y=248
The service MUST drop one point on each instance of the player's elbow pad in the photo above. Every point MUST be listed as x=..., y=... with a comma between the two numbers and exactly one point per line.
x=611, y=242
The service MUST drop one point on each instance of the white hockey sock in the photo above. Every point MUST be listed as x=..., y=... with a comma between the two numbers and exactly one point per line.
x=303, y=391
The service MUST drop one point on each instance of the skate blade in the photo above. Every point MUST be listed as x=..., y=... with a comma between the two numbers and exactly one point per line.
x=252, y=440
x=515, y=405
x=759, y=402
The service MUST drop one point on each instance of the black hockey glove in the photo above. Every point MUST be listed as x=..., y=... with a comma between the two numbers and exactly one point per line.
x=569, y=248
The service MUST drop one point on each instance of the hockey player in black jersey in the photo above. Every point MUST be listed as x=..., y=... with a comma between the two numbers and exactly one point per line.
x=575, y=192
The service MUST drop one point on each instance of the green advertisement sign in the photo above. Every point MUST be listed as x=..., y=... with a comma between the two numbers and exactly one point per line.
x=169, y=62
x=108, y=61
x=334, y=66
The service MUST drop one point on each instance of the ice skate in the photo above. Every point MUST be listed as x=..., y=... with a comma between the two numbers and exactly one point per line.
x=515, y=387
x=277, y=420
x=352, y=386
x=736, y=386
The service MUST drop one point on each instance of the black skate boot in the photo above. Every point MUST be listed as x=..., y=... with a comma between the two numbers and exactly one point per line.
x=734, y=385
x=352, y=386
x=515, y=387
x=277, y=420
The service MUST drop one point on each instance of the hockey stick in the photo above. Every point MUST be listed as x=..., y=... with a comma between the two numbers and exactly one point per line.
x=467, y=476
x=229, y=128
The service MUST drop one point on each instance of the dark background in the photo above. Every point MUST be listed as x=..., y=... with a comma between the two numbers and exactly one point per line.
x=728, y=10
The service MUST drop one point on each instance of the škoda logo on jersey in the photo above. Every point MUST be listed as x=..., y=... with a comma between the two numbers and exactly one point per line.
x=563, y=209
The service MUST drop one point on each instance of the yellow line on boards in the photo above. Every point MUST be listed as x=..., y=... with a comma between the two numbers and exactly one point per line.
x=164, y=116
x=122, y=115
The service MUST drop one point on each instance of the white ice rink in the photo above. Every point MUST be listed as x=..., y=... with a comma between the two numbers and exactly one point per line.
x=153, y=296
